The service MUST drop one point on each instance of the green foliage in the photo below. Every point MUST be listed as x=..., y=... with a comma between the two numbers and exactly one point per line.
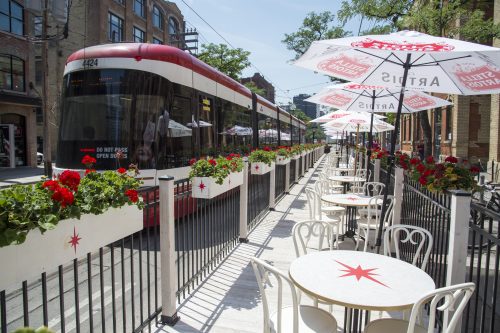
x=218, y=168
x=253, y=88
x=299, y=114
x=315, y=26
x=229, y=61
x=27, y=207
x=284, y=151
x=262, y=155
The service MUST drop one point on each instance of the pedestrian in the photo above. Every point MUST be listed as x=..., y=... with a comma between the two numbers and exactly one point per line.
x=421, y=149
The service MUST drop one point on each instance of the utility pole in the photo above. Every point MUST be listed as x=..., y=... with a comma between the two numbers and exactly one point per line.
x=47, y=150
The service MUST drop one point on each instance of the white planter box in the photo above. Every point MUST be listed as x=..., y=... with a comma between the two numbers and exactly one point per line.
x=282, y=160
x=207, y=188
x=259, y=168
x=295, y=157
x=70, y=239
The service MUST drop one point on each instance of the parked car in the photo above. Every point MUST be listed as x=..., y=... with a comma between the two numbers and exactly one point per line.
x=39, y=158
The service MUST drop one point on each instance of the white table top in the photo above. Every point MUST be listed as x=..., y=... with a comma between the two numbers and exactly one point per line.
x=360, y=280
x=354, y=200
x=346, y=179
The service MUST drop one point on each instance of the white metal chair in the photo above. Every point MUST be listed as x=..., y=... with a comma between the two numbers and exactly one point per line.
x=418, y=237
x=294, y=318
x=371, y=221
x=309, y=236
x=369, y=188
x=335, y=213
x=451, y=300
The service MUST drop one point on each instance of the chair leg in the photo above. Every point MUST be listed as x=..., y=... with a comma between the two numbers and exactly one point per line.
x=366, y=240
x=358, y=239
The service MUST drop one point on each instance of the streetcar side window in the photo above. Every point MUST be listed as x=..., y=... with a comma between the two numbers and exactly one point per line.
x=268, y=130
x=235, y=127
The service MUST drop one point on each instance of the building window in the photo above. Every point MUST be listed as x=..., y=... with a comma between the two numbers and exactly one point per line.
x=37, y=26
x=11, y=17
x=38, y=70
x=138, y=35
x=157, y=18
x=157, y=41
x=115, y=28
x=139, y=8
x=448, y=123
x=173, y=26
x=11, y=73
x=121, y=2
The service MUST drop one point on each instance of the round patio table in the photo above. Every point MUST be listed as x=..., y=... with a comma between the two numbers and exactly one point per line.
x=360, y=280
x=346, y=180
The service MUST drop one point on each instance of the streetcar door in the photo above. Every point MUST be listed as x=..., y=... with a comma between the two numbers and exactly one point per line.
x=204, y=125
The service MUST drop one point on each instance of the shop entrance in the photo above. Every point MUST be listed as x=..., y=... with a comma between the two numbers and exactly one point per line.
x=13, y=135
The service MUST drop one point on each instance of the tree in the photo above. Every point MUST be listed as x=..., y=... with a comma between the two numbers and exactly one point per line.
x=253, y=88
x=314, y=27
x=435, y=17
x=312, y=130
x=229, y=61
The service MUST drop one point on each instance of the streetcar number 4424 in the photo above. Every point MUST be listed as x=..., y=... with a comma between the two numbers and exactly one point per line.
x=90, y=62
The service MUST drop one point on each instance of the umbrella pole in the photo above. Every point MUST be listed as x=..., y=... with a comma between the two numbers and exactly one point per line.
x=356, y=153
x=370, y=136
x=406, y=66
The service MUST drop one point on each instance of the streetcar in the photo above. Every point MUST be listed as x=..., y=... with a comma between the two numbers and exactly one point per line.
x=157, y=107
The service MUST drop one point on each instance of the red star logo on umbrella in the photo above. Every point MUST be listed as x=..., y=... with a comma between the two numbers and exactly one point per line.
x=74, y=240
x=359, y=273
x=201, y=186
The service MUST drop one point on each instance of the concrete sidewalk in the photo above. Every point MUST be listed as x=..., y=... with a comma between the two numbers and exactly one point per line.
x=20, y=175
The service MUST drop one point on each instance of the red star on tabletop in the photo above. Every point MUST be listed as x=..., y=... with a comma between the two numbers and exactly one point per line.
x=74, y=241
x=352, y=198
x=201, y=186
x=359, y=272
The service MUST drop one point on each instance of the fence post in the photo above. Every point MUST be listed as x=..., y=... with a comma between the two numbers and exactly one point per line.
x=304, y=164
x=167, y=252
x=459, y=240
x=244, y=204
x=376, y=171
x=297, y=170
x=272, y=188
x=287, y=176
x=398, y=193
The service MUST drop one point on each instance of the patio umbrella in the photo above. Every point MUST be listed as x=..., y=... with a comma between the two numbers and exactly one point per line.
x=359, y=97
x=334, y=115
x=407, y=59
x=239, y=130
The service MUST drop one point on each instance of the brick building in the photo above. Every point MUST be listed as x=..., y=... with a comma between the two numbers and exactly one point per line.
x=93, y=22
x=18, y=100
x=261, y=83
x=310, y=109
x=469, y=129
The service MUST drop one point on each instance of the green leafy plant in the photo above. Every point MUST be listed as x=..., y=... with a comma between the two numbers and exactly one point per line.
x=218, y=168
x=284, y=151
x=43, y=205
x=42, y=329
x=265, y=155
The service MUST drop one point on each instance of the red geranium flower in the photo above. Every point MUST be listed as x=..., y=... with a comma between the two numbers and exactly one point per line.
x=132, y=195
x=451, y=159
x=229, y=158
x=121, y=170
x=64, y=196
x=422, y=180
x=192, y=161
x=88, y=160
x=428, y=172
x=70, y=179
x=87, y=171
x=52, y=185
x=475, y=169
x=420, y=168
x=212, y=161
x=430, y=159
x=267, y=149
x=414, y=161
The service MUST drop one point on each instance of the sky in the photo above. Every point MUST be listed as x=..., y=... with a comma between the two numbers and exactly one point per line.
x=259, y=26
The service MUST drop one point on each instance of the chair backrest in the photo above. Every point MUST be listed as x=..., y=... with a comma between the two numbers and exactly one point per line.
x=309, y=236
x=451, y=300
x=314, y=203
x=263, y=273
x=374, y=211
x=373, y=188
x=418, y=239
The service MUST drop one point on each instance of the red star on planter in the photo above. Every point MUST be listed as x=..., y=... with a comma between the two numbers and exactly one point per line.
x=257, y=167
x=201, y=186
x=74, y=240
x=359, y=273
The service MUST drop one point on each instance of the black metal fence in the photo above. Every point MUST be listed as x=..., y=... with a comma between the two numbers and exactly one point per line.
x=280, y=179
x=114, y=289
x=205, y=231
x=300, y=161
x=430, y=211
x=383, y=178
x=483, y=311
x=293, y=165
x=258, y=197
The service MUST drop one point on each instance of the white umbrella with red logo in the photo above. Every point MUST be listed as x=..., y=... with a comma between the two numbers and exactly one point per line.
x=360, y=97
x=335, y=115
x=407, y=59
